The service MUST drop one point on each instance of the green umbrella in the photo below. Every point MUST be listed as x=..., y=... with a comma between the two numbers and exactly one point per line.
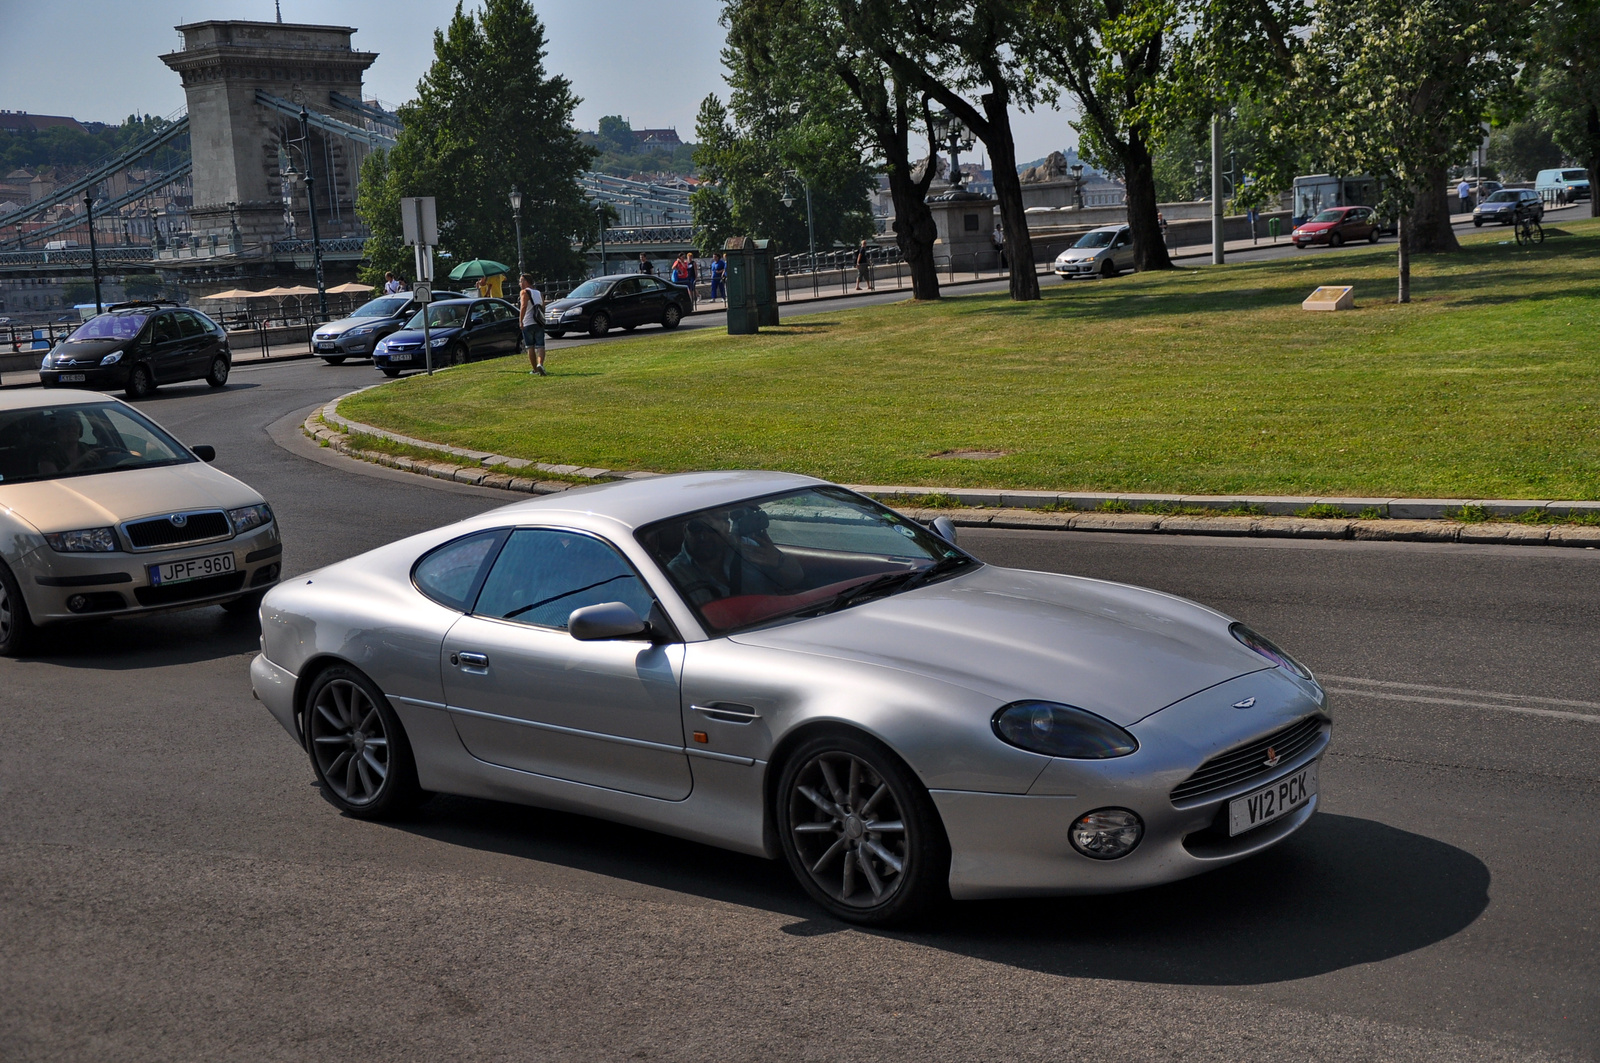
x=478, y=267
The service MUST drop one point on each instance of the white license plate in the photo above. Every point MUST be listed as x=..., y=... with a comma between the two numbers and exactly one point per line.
x=327, y=346
x=72, y=378
x=1288, y=794
x=400, y=358
x=193, y=568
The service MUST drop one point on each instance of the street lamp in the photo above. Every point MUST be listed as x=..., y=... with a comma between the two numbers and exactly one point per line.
x=811, y=231
x=94, y=252
x=952, y=133
x=1077, y=183
x=1199, y=175
x=516, y=215
x=600, y=210
x=304, y=144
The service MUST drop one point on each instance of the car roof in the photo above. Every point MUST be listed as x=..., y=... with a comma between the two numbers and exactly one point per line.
x=33, y=399
x=1110, y=228
x=634, y=503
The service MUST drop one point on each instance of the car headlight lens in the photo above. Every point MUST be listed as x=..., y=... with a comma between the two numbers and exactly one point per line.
x=364, y=330
x=83, y=541
x=439, y=341
x=1270, y=650
x=112, y=359
x=383, y=345
x=250, y=517
x=1061, y=731
x=1106, y=833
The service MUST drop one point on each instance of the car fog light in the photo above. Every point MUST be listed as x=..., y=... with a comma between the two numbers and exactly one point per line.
x=1106, y=833
x=77, y=603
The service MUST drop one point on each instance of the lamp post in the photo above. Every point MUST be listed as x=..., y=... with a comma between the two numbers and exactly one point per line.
x=1077, y=184
x=811, y=230
x=304, y=143
x=516, y=216
x=600, y=211
x=94, y=252
x=953, y=134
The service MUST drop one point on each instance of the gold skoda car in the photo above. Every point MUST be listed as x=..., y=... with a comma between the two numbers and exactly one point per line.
x=103, y=513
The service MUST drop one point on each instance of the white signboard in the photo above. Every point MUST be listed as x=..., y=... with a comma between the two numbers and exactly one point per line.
x=422, y=293
x=420, y=222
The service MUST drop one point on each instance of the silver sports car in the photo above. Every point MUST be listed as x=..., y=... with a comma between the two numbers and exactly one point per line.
x=776, y=665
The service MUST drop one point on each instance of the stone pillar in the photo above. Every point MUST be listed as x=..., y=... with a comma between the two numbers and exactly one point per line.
x=966, y=230
x=235, y=141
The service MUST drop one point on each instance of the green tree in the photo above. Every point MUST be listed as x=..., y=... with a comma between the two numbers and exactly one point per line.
x=1519, y=150
x=487, y=118
x=615, y=134
x=1567, y=45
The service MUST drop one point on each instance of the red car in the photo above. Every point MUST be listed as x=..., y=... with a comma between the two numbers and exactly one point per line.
x=1337, y=226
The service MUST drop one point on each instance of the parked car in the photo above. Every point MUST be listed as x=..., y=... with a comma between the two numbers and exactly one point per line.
x=460, y=331
x=356, y=335
x=1566, y=185
x=1102, y=252
x=104, y=514
x=1503, y=206
x=779, y=666
x=1338, y=226
x=597, y=306
x=138, y=347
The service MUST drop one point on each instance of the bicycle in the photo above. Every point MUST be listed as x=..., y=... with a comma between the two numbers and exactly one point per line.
x=1529, y=231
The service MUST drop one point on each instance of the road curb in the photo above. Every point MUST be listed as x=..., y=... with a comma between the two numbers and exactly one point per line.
x=1265, y=516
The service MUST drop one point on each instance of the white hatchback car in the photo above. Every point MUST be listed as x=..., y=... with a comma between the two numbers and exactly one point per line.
x=103, y=514
x=1102, y=252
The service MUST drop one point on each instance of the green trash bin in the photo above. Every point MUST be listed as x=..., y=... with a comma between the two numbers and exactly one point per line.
x=1274, y=227
x=752, y=287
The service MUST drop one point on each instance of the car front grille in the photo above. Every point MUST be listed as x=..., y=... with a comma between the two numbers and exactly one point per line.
x=206, y=587
x=161, y=532
x=1245, y=762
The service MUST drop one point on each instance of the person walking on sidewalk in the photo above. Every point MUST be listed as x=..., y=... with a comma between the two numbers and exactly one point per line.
x=1464, y=191
x=390, y=285
x=719, y=276
x=863, y=267
x=680, y=271
x=645, y=265
x=531, y=305
x=694, y=279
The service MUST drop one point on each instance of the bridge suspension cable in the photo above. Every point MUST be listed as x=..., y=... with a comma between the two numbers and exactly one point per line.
x=103, y=207
x=100, y=173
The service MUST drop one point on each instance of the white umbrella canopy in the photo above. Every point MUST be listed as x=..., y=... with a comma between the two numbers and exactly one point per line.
x=353, y=288
x=231, y=293
x=298, y=289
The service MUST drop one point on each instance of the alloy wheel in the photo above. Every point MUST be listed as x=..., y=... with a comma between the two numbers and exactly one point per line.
x=350, y=742
x=849, y=830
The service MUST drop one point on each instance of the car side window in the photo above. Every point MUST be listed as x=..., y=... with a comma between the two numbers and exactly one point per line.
x=189, y=326
x=627, y=286
x=650, y=284
x=505, y=312
x=165, y=328
x=543, y=574
x=449, y=574
x=480, y=313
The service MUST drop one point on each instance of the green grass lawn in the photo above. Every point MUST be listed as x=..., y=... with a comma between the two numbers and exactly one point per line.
x=1207, y=381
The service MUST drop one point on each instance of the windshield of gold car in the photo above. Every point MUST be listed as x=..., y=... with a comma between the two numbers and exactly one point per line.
x=52, y=442
x=797, y=554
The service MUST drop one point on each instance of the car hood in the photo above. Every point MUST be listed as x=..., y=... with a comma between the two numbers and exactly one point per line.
x=1315, y=226
x=1081, y=254
x=415, y=335
x=1122, y=652
x=87, y=349
x=112, y=497
x=339, y=328
x=568, y=304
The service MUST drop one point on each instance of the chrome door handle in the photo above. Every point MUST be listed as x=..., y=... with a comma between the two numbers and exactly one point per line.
x=470, y=660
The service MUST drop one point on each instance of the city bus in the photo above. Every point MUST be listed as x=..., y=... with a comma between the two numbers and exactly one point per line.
x=1316, y=192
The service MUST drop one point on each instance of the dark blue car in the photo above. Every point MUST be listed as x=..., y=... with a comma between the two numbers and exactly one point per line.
x=460, y=331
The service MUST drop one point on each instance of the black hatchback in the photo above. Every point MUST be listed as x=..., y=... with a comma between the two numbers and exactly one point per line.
x=137, y=347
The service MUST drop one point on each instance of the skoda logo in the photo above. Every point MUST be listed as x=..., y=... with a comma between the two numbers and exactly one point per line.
x=1245, y=704
x=178, y=520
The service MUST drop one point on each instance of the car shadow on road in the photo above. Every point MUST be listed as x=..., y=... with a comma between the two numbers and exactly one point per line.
x=1342, y=892
x=137, y=643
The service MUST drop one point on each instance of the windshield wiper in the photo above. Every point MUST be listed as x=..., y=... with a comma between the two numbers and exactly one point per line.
x=889, y=582
x=944, y=565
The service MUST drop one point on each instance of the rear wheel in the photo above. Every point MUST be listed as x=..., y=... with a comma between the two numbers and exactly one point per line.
x=671, y=316
x=1372, y=237
x=218, y=377
x=358, y=748
x=860, y=831
x=16, y=626
x=141, y=385
x=600, y=324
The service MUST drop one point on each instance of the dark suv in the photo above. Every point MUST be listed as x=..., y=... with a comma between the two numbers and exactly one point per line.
x=137, y=347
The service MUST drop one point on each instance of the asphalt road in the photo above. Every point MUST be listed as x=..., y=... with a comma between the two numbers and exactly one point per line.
x=172, y=887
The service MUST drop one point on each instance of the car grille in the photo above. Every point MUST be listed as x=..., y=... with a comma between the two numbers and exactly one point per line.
x=404, y=346
x=189, y=591
x=161, y=532
x=1245, y=762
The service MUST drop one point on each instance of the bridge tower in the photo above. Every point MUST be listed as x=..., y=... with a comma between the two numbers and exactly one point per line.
x=236, y=143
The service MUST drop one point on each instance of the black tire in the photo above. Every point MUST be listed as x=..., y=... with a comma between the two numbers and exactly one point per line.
x=555, y=333
x=16, y=625
x=1477, y=223
x=671, y=316
x=140, y=385
x=456, y=354
x=829, y=840
x=335, y=361
x=391, y=373
x=245, y=605
x=1372, y=237
x=374, y=778
x=220, y=368
x=1336, y=240
x=1108, y=269
x=600, y=324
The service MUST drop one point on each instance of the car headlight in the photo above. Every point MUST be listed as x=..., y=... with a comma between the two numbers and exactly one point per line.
x=1268, y=649
x=1061, y=731
x=438, y=341
x=83, y=541
x=365, y=330
x=250, y=517
x=112, y=359
x=1106, y=833
x=383, y=345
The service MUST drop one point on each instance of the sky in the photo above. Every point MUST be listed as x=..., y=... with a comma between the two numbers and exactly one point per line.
x=649, y=61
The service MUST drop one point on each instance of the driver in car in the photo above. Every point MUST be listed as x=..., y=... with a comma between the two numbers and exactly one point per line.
x=728, y=554
x=63, y=450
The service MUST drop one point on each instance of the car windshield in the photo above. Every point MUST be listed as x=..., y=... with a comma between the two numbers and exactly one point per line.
x=1574, y=175
x=54, y=442
x=802, y=553
x=1097, y=238
x=1329, y=215
x=589, y=289
x=109, y=327
x=1502, y=197
x=442, y=315
x=386, y=307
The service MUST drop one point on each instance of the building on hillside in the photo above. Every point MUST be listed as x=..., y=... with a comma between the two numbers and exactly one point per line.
x=656, y=138
x=23, y=122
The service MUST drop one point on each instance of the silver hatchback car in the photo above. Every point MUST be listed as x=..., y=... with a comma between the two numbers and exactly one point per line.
x=1102, y=252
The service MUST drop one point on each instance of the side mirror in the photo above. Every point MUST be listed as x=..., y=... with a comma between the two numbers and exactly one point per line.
x=608, y=620
x=204, y=451
x=945, y=529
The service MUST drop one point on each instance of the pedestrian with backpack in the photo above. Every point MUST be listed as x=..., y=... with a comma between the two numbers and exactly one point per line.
x=531, y=316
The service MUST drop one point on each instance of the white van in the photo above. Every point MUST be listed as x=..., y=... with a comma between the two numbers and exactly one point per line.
x=1564, y=185
x=61, y=245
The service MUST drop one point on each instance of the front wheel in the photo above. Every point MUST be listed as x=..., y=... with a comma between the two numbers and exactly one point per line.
x=1108, y=269
x=456, y=355
x=671, y=316
x=554, y=333
x=16, y=626
x=599, y=325
x=1477, y=223
x=218, y=377
x=860, y=831
x=141, y=385
x=1336, y=240
x=358, y=748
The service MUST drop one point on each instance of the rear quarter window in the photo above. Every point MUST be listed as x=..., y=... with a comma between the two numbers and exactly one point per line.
x=450, y=574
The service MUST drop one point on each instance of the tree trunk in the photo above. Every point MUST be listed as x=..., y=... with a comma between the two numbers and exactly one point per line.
x=1591, y=122
x=1404, y=255
x=1008, y=190
x=1138, y=175
x=1594, y=187
x=915, y=231
x=1430, y=214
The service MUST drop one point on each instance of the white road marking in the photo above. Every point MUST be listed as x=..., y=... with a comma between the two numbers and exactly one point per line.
x=1475, y=699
